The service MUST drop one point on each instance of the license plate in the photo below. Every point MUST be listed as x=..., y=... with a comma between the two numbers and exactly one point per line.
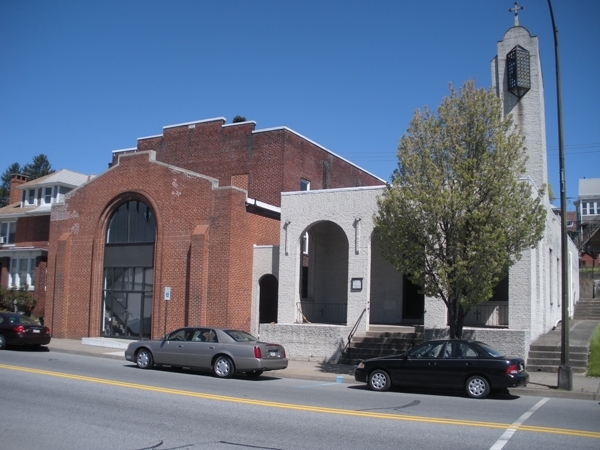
x=36, y=331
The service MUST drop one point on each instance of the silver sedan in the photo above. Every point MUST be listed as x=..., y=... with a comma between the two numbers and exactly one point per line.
x=220, y=350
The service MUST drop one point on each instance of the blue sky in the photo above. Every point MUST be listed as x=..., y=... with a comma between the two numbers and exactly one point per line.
x=79, y=79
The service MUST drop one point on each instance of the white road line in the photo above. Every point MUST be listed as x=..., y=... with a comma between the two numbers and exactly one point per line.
x=515, y=425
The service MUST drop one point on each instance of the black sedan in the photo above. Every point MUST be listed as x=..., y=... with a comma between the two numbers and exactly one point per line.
x=222, y=351
x=446, y=364
x=19, y=329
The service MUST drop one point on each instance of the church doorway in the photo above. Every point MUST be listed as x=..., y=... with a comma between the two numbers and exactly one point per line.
x=129, y=272
x=269, y=287
x=324, y=274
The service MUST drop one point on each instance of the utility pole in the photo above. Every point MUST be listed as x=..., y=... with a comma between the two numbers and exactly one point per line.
x=565, y=372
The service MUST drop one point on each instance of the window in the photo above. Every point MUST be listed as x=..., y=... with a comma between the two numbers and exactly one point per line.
x=31, y=197
x=590, y=208
x=305, y=243
x=132, y=222
x=22, y=273
x=47, y=195
x=427, y=350
x=7, y=232
x=304, y=185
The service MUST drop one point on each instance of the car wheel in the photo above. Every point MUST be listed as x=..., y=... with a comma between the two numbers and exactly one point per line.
x=254, y=373
x=223, y=367
x=477, y=387
x=379, y=380
x=2, y=342
x=143, y=359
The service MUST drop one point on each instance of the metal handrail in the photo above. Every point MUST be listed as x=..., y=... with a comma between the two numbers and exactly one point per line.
x=590, y=230
x=354, y=328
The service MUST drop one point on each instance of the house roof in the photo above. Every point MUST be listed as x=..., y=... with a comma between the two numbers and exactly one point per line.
x=63, y=177
x=589, y=187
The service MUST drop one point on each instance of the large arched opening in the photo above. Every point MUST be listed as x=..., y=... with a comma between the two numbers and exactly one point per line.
x=128, y=277
x=324, y=274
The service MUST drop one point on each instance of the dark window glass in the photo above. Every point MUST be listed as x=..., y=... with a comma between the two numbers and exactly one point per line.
x=150, y=226
x=140, y=228
x=148, y=281
x=121, y=218
x=118, y=278
x=132, y=222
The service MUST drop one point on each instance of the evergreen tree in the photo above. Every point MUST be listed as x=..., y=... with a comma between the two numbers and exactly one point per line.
x=39, y=167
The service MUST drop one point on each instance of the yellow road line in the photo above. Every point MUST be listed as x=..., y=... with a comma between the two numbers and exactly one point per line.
x=320, y=409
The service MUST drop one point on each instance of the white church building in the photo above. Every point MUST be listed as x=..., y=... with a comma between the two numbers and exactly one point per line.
x=330, y=279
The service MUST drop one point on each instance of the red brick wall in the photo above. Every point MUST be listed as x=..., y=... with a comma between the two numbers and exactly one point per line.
x=274, y=160
x=33, y=231
x=181, y=203
x=39, y=291
x=4, y=268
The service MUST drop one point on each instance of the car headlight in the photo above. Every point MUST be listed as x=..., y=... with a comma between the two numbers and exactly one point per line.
x=361, y=365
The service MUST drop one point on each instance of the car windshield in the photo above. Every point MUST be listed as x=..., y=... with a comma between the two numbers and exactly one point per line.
x=492, y=351
x=240, y=336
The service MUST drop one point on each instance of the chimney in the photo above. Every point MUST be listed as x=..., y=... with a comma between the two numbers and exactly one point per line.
x=15, y=194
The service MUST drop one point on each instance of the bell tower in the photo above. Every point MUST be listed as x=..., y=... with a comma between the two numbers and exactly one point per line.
x=517, y=80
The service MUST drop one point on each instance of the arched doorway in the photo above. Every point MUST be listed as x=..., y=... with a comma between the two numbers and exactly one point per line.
x=128, y=272
x=324, y=274
x=269, y=287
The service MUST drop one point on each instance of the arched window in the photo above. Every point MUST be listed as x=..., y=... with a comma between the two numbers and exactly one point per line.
x=132, y=222
x=129, y=272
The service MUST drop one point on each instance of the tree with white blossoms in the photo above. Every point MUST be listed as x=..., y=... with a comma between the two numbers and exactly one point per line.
x=458, y=211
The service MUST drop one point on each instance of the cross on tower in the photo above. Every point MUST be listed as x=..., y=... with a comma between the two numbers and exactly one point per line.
x=516, y=8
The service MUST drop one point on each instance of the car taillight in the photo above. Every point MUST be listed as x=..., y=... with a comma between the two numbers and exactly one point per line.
x=257, y=352
x=513, y=368
x=46, y=330
x=18, y=328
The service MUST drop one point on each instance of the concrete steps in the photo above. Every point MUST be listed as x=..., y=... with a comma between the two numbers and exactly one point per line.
x=546, y=358
x=587, y=309
x=381, y=341
x=545, y=352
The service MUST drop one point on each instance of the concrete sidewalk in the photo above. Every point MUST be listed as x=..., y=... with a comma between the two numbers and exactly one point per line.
x=540, y=384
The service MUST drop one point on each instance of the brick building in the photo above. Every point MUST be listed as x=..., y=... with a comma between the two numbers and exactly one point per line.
x=178, y=217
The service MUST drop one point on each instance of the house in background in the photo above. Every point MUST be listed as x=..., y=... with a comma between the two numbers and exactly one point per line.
x=25, y=230
x=588, y=218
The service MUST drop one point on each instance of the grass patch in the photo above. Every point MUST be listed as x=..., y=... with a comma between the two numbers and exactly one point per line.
x=594, y=363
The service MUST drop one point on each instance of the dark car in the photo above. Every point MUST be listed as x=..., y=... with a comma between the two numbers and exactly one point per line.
x=445, y=364
x=19, y=329
x=222, y=351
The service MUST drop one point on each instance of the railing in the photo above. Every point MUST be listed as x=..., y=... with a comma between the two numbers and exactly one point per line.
x=323, y=312
x=354, y=328
x=591, y=227
x=487, y=315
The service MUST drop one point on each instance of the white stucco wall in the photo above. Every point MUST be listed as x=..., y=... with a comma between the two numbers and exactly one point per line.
x=528, y=112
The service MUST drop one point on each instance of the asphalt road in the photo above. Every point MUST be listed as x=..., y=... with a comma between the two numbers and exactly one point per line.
x=64, y=401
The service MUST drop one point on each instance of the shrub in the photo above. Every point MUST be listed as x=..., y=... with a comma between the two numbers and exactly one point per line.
x=594, y=362
x=19, y=299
